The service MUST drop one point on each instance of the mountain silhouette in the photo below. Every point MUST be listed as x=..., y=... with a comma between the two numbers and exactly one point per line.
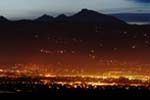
x=83, y=17
x=44, y=18
x=44, y=38
x=90, y=16
x=62, y=17
x=3, y=19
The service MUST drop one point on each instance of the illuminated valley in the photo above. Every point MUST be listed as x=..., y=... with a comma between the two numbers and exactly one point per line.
x=48, y=75
x=84, y=54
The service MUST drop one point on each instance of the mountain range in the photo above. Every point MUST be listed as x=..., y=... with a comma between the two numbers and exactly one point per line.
x=84, y=16
x=90, y=16
x=49, y=39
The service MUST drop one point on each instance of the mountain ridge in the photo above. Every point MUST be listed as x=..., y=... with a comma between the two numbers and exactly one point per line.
x=2, y=19
x=83, y=16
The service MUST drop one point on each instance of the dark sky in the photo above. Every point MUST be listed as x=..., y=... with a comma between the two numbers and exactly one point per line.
x=34, y=8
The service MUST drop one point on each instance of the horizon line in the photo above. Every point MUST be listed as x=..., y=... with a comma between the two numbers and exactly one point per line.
x=30, y=16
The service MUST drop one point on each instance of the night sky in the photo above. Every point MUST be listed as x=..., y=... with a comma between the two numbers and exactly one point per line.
x=34, y=8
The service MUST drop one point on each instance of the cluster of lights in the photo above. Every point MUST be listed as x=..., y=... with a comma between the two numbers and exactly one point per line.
x=72, y=77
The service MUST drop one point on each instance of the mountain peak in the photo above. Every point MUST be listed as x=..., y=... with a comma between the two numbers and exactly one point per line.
x=45, y=15
x=90, y=16
x=83, y=16
x=3, y=18
x=62, y=16
x=45, y=18
x=87, y=12
x=84, y=10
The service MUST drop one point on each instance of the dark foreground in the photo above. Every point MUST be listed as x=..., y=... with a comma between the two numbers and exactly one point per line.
x=77, y=93
x=24, y=88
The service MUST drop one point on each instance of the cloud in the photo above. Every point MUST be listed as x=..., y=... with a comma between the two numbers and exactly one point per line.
x=141, y=1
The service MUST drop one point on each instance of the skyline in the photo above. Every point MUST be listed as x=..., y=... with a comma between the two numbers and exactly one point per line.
x=15, y=9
